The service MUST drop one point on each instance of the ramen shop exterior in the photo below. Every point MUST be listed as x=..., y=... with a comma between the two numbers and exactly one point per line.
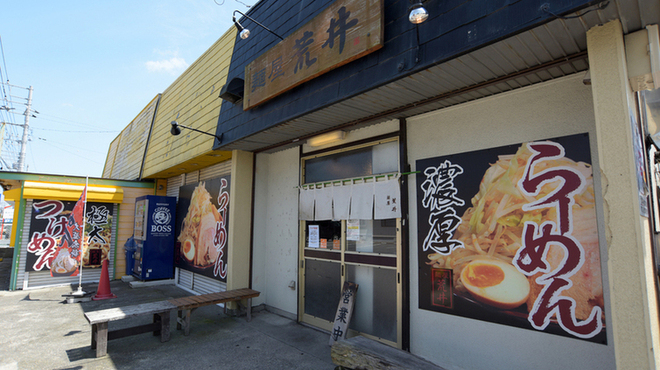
x=484, y=213
x=484, y=177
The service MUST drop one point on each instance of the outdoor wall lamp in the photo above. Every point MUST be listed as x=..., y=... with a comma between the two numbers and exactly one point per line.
x=176, y=130
x=244, y=32
x=418, y=13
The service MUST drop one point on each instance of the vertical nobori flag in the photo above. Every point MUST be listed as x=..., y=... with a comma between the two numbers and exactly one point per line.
x=67, y=256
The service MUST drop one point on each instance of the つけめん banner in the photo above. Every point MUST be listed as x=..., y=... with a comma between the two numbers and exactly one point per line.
x=202, y=217
x=509, y=235
x=47, y=223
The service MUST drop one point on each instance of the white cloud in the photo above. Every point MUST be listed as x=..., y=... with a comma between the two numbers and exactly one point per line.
x=174, y=65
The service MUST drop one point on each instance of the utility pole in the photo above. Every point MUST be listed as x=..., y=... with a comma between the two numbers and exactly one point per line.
x=28, y=113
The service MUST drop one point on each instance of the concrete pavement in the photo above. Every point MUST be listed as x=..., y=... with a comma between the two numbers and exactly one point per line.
x=40, y=331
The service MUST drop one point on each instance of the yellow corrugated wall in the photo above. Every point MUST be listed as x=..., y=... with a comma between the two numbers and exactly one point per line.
x=127, y=150
x=192, y=100
x=130, y=153
x=110, y=159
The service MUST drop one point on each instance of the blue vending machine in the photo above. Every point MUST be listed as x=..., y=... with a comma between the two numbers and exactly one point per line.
x=154, y=237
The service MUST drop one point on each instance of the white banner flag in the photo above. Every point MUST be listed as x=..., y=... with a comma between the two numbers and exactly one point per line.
x=362, y=202
x=388, y=200
x=306, y=205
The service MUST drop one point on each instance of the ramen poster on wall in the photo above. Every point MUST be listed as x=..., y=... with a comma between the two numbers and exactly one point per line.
x=202, y=218
x=47, y=227
x=509, y=235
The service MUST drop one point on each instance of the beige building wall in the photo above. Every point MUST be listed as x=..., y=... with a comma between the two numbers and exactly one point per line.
x=633, y=309
x=276, y=229
x=240, y=221
x=192, y=100
x=552, y=109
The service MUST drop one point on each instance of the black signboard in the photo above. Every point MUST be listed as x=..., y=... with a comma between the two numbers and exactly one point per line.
x=47, y=227
x=509, y=235
x=202, y=219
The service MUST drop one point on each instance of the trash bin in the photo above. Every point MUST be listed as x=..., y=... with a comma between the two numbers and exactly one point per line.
x=130, y=248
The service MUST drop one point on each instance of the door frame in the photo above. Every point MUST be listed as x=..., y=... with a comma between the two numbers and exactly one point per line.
x=399, y=268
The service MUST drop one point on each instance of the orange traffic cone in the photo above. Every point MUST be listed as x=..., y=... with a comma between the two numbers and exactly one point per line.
x=104, y=284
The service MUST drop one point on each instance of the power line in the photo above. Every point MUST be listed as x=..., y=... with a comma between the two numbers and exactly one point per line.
x=4, y=63
x=72, y=153
x=63, y=120
x=11, y=133
x=68, y=144
x=77, y=132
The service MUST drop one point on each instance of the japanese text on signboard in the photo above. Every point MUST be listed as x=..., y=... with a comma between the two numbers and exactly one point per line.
x=510, y=233
x=47, y=225
x=343, y=32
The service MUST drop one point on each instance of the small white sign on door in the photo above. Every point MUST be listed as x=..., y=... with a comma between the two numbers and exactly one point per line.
x=353, y=230
x=313, y=236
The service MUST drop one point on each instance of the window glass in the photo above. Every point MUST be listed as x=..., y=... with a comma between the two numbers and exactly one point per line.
x=371, y=236
x=354, y=163
x=385, y=157
x=323, y=234
x=322, y=288
x=375, y=308
x=373, y=160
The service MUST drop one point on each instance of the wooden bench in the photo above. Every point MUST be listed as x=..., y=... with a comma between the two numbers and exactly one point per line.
x=161, y=319
x=363, y=353
x=99, y=320
x=186, y=305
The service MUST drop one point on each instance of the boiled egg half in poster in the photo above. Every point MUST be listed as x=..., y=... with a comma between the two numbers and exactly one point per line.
x=495, y=283
x=189, y=249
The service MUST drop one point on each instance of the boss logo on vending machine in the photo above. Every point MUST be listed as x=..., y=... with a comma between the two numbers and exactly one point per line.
x=161, y=218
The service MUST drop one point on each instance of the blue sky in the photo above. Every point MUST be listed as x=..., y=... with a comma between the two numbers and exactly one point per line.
x=94, y=65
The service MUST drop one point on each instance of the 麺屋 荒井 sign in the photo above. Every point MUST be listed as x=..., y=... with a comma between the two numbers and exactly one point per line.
x=343, y=32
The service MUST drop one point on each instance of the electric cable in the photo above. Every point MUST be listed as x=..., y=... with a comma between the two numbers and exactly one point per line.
x=602, y=5
x=76, y=132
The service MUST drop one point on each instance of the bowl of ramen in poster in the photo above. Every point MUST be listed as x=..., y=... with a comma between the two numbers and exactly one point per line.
x=63, y=263
x=491, y=232
x=198, y=230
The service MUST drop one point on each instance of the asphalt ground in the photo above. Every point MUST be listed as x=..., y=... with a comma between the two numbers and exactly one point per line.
x=39, y=330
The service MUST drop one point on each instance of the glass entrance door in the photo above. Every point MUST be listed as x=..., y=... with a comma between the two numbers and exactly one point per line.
x=322, y=272
x=364, y=252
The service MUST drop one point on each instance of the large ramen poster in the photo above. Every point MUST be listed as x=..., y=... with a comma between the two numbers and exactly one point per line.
x=509, y=235
x=47, y=223
x=202, y=218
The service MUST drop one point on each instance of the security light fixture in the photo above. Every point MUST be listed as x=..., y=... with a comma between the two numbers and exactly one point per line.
x=418, y=13
x=243, y=32
x=176, y=130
